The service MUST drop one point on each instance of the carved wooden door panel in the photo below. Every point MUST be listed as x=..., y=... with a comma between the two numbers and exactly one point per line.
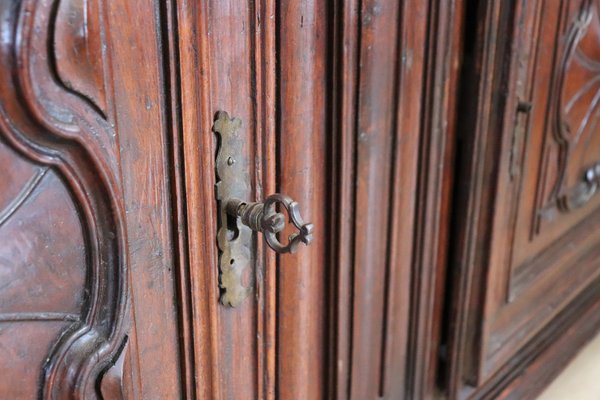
x=111, y=283
x=529, y=259
x=330, y=99
x=110, y=279
x=84, y=204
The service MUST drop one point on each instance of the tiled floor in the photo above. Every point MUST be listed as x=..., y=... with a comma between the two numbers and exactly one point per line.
x=581, y=379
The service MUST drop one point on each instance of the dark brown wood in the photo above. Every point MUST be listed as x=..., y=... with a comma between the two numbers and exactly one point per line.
x=444, y=152
x=422, y=79
x=527, y=247
x=52, y=127
x=84, y=203
x=435, y=185
x=145, y=140
x=303, y=174
x=233, y=347
x=310, y=79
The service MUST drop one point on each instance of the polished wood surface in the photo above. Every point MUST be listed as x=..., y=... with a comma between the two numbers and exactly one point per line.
x=441, y=149
x=527, y=260
x=323, y=323
x=84, y=205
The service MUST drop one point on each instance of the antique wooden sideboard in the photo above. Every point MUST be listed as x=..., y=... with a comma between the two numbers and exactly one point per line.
x=303, y=199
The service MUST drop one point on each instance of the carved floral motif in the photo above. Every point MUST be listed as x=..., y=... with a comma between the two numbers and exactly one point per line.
x=578, y=105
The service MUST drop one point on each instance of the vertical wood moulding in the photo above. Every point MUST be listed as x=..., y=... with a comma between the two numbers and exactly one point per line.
x=405, y=124
x=345, y=76
x=264, y=91
x=201, y=229
x=134, y=382
x=258, y=104
x=302, y=171
x=234, y=347
x=171, y=62
x=142, y=128
x=374, y=139
x=418, y=172
x=441, y=67
x=412, y=31
x=269, y=116
x=465, y=288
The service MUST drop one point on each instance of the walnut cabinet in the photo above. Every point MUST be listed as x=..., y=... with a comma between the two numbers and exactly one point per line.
x=447, y=154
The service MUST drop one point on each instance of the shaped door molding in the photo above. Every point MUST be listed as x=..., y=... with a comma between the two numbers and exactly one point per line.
x=50, y=125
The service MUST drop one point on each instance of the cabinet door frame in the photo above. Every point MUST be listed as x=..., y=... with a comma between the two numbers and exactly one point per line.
x=487, y=117
x=319, y=132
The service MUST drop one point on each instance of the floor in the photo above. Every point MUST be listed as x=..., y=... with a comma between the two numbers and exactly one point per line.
x=581, y=379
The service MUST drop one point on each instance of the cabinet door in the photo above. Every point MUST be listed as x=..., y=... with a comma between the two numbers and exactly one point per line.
x=112, y=284
x=346, y=106
x=86, y=278
x=528, y=261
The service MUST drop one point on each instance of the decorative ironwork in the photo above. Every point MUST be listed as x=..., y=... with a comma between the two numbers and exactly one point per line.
x=262, y=217
x=238, y=218
x=233, y=239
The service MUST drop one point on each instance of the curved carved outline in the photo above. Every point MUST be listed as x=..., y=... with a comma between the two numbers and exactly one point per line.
x=54, y=128
x=23, y=195
x=95, y=100
x=571, y=198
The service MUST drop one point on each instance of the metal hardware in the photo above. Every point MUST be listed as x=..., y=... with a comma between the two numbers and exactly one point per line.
x=238, y=218
x=234, y=240
x=262, y=217
x=583, y=192
x=524, y=106
x=520, y=133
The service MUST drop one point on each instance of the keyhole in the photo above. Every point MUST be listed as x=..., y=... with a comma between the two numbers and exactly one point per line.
x=232, y=228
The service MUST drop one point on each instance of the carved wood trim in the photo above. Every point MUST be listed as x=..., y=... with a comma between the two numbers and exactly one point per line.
x=172, y=36
x=406, y=315
x=42, y=316
x=473, y=215
x=435, y=177
x=502, y=304
x=23, y=195
x=552, y=192
x=239, y=78
x=573, y=130
x=52, y=127
x=78, y=44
